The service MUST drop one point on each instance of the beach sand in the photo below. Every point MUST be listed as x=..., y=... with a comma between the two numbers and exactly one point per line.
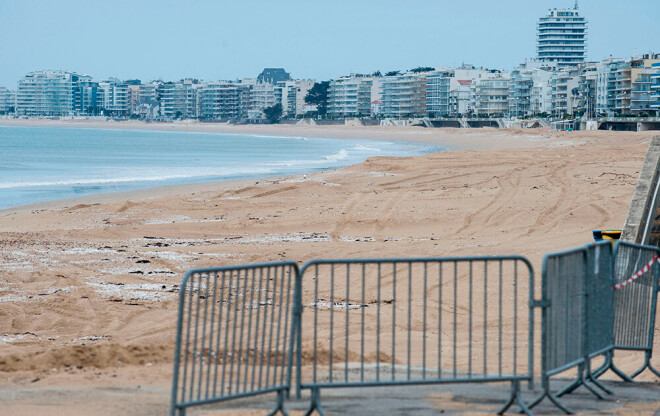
x=88, y=287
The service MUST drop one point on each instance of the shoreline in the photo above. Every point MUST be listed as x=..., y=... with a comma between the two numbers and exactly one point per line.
x=451, y=139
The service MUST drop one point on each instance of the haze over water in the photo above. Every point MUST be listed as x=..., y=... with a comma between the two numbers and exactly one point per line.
x=40, y=163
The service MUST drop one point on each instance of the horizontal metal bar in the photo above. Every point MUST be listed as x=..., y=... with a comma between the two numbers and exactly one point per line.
x=497, y=379
x=565, y=367
x=236, y=268
x=180, y=405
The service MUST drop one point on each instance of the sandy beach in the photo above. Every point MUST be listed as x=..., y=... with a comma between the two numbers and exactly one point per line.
x=88, y=287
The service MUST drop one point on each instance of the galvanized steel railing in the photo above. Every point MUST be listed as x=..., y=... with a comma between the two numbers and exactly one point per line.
x=576, y=318
x=404, y=321
x=233, y=335
x=635, y=304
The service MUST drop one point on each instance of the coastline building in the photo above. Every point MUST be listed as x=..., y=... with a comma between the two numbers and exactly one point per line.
x=565, y=91
x=588, y=86
x=624, y=86
x=263, y=96
x=219, y=100
x=562, y=37
x=291, y=94
x=530, y=89
x=655, y=89
x=404, y=95
x=178, y=99
x=438, y=93
x=112, y=97
x=350, y=96
x=490, y=94
x=7, y=101
x=48, y=93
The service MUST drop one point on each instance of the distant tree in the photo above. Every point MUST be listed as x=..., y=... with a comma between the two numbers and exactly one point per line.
x=318, y=95
x=273, y=113
x=178, y=114
x=392, y=73
x=422, y=69
x=377, y=74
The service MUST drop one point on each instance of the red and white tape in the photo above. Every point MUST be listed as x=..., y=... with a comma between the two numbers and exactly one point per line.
x=632, y=278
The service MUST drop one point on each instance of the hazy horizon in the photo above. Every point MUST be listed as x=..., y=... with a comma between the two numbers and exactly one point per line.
x=227, y=40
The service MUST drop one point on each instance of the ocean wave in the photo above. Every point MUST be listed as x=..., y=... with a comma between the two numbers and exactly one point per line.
x=143, y=175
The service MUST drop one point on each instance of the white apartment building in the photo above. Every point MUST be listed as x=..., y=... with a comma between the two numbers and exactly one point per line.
x=404, y=95
x=220, y=100
x=291, y=94
x=7, y=100
x=530, y=89
x=565, y=91
x=562, y=37
x=490, y=94
x=47, y=93
x=178, y=99
x=438, y=93
x=263, y=96
x=624, y=86
x=112, y=97
x=350, y=96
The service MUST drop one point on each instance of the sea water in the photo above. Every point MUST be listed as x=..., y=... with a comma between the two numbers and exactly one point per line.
x=45, y=163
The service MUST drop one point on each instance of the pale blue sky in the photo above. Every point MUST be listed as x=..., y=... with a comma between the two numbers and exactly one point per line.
x=213, y=40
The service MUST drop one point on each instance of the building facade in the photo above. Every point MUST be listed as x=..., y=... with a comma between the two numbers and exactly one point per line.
x=404, y=95
x=350, y=97
x=655, y=89
x=490, y=94
x=48, y=93
x=562, y=37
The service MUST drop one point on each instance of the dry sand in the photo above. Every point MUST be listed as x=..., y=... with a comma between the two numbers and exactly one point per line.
x=88, y=287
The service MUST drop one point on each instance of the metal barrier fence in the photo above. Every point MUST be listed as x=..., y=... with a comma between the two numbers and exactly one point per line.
x=374, y=322
x=636, y=274
x=576, y=318
x=233, y=336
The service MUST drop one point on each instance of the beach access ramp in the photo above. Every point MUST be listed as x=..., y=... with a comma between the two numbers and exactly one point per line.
x=642, y=224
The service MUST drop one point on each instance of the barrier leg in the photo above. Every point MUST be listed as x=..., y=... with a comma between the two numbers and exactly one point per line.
x=546, y=393
x=281, y=394
x=647, y=364
x=515, y=398
x=609, y=365
x=315, y=403
x=587, y=376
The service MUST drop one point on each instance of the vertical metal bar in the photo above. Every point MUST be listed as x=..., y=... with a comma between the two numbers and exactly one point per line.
x=332, y=323
x=530, y=340
x=287, y=312
x=212, y=353
x=279, y=327
x=424, y=324
x=221, y=307
x=409, y=313
x=515, y=318
x=233, y=336
x=455, y=316
x=378, y=327
x=248, y=340
x=348, y=300
x=240, y=337
x=271, y=327
x=470, y=322
x=440, y=266
x=255, y=345
x=225, y=352
x=195, y=352
x=185, y=362
x=362, y=307
x=499, y=322
x=485, y=339
x=264, y=327
x=316, y=308
x=393, y=320
x=202, y=341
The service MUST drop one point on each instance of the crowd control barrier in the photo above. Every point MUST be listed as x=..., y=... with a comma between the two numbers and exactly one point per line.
x=576, y=318
x=245, y=330
x=378, y=322
x=233, y=334
x=636, y=286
